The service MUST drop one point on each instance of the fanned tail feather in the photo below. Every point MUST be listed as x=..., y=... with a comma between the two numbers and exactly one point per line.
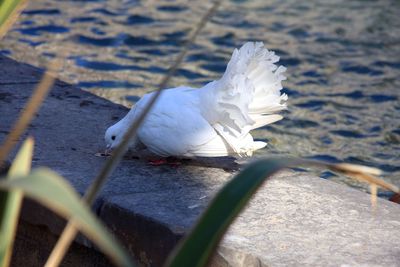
x=246, y=97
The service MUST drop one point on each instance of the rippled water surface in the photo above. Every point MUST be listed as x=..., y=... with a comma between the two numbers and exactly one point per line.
x=343, y=60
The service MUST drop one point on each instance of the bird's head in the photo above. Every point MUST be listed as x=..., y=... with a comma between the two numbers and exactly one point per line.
x=113, y=136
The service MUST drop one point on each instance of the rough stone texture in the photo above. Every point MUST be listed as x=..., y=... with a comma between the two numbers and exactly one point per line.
x=34, y=244
x=300, y=220
x=294, y=220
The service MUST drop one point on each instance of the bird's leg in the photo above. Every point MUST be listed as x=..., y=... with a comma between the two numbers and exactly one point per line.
x=158, y=162
x=172, y=161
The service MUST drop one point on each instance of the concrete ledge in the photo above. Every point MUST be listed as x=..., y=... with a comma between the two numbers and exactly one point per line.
x=295, y=219
x=34, y=244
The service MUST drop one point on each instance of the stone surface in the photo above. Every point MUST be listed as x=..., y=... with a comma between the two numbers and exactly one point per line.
x=295, y=219
x=298, y=220
x=34, y=244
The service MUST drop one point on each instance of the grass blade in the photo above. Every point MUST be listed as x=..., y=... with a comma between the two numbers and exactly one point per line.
x=197, y=248
x=10, y=203
x=200, y=243
x=54, y=192
x=9, y=12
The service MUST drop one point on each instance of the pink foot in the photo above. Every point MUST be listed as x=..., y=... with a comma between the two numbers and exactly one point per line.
x=173, y=162
x=158, y=162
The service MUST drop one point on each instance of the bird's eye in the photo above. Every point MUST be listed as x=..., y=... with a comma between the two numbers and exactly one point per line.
x=113, y=137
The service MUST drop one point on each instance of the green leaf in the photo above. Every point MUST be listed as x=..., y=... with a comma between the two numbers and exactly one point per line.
x=6, y=9
x=10, y=202
x=9, y=12
x=52, y=191
x=198, y=246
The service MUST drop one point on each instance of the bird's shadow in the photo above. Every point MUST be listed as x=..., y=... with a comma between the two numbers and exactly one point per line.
x=228, y=164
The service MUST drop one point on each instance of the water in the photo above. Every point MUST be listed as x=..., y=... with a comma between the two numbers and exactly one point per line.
x=343, y=60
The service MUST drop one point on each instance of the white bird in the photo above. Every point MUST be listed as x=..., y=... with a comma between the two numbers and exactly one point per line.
x=215, y=120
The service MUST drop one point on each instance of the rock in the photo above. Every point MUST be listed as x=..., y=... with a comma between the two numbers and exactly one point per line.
x=295, y=219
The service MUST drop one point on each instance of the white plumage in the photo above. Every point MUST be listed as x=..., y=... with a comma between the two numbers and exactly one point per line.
x=216, y=119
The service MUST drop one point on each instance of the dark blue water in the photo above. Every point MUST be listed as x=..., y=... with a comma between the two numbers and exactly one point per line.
x=343, y=60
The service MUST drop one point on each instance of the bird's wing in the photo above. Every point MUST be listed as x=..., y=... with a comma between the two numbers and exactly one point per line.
x=175, y=125
x=216, y=147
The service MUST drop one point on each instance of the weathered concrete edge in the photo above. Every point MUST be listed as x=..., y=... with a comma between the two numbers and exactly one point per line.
x=36, y=214
x=107, y=210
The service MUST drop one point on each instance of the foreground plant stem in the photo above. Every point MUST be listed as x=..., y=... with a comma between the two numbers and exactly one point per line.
x=70, y=230
x=15, y=8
